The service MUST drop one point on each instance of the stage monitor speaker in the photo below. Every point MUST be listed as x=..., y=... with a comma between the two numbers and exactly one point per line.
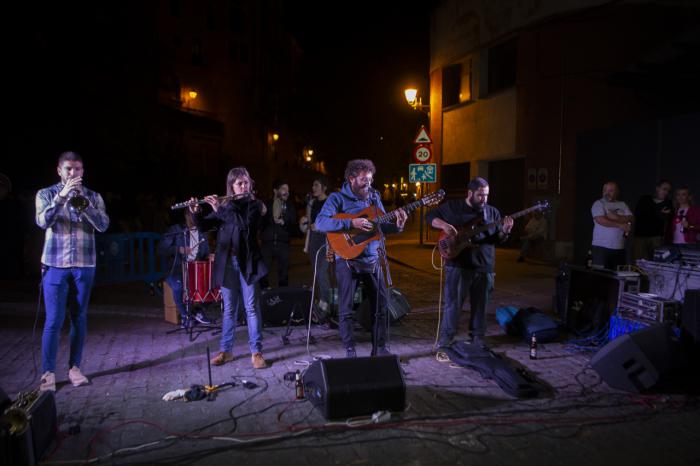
x=636, y=361
x=28, y=447
x=343, y=388
x=277, y=304
x=690, y=315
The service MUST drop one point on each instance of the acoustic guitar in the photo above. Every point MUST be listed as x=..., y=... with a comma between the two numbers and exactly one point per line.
x=349, y=244
x=450, y=246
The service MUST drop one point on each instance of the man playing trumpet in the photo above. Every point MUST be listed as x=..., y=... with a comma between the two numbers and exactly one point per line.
x=70, y=213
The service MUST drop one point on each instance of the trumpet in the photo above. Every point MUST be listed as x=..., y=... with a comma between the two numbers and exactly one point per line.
x=77, y=202
x=18, y=414
x=233, y=197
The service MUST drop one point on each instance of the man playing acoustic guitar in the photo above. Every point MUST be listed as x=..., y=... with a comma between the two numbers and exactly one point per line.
x=472, y=270
x=356, y=196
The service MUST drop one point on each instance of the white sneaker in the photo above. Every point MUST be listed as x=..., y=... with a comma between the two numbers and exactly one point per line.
x=76, y=377
x=48, y=382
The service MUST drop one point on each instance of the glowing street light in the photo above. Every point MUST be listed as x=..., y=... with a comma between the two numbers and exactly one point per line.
x=415, y=101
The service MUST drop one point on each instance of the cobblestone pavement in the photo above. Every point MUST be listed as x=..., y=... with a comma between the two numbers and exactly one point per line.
x=453, y=415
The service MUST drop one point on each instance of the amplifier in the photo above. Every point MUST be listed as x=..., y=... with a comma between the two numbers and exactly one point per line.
x=586, y=298
x=648, y=307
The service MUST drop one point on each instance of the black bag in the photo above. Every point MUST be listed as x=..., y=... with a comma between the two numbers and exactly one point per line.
x=492, y=366
x=531, y=321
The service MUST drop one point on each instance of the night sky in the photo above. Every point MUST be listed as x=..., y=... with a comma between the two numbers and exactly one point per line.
x=356, y=62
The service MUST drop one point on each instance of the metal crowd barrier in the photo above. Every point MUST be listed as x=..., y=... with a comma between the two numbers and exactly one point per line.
x=129, y=257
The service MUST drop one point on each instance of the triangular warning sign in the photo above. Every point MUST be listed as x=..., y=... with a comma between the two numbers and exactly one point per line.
x=423, y=137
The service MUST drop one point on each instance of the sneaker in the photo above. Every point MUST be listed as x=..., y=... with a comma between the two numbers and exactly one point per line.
x=76, y=377
x=382, y=351
x=441, y=356
x=201, y=318
x=350, y=353
x=258, y=361
x=222, y=358
x=48, y=382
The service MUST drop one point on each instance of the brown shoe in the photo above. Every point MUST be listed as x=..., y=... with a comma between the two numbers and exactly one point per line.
x=258, y=361
x=222, y=358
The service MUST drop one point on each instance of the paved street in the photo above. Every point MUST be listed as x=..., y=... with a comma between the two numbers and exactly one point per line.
x=453, y=415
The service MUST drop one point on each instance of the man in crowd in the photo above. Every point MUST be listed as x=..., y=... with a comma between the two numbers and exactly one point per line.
x=612, y=222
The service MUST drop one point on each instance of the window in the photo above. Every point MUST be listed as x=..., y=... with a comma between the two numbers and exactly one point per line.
x=451, y=84
x=196, y=52
x=457, y=83
x=502, y=63
x=465, y=88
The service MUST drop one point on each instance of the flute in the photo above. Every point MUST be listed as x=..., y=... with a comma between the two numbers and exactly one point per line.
x=182, y=205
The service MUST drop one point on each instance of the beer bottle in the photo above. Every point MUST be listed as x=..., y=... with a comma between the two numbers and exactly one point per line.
x=533, y=347
x=299, y=386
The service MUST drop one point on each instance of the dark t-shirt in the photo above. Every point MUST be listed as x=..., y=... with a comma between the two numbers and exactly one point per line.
x=649, y=220
x=458, y=213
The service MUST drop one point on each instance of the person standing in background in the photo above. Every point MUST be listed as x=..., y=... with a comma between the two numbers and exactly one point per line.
x=652, y=213
x=612, y=222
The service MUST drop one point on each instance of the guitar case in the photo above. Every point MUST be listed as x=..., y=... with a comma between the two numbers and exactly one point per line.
x=491, y=366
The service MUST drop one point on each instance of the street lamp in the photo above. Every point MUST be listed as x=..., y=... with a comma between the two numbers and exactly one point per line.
x=415, y=101
x=308, y=154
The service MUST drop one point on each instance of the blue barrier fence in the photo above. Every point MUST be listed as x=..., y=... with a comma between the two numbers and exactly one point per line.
x=129, y=257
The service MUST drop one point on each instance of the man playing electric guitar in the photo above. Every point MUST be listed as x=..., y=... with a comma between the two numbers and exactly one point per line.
x=472, y=270
x=356, y=196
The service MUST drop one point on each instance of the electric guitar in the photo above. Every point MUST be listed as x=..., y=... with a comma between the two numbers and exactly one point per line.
x=349, y=244
x=450, y=246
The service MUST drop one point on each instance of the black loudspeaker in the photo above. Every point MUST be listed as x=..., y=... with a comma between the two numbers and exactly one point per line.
x=591, y=296
x=4, y=400
x=635, y=362
x=343, y=388
x=397, y=305
x=279, y=304
x=690, y=316
x=28, y=447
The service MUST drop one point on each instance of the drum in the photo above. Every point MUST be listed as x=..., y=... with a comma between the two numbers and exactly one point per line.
x=199, y=287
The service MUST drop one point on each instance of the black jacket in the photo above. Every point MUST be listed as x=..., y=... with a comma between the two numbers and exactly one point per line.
x=273, y=232
x=237, y=223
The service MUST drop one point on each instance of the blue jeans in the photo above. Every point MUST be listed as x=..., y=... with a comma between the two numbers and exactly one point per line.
x=65, y=288
x=232, y=290
x=458, y=283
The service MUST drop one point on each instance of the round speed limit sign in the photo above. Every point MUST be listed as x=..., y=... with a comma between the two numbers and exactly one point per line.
x=422, y=153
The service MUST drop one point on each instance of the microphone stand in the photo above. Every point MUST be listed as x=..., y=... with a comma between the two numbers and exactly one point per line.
x=382, y=270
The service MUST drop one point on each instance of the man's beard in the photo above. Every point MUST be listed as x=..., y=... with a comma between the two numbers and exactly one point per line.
x=362, y=192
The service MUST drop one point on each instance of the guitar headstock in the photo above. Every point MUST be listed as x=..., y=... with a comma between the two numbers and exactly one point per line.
x=433, y=198
x=542, y=206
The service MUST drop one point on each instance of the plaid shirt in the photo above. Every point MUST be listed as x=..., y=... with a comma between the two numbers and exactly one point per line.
x=70, y=237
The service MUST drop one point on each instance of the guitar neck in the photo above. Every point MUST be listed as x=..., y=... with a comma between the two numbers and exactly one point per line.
x=486, y=226
x=391, y=216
